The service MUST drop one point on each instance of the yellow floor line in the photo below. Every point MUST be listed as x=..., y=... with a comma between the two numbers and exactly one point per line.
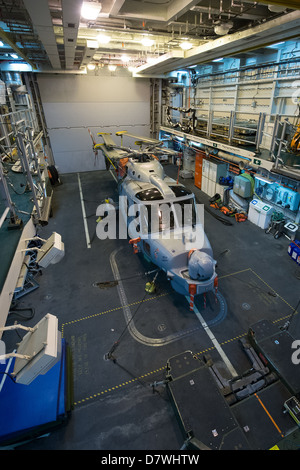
x=128, y=382
x=278, y=295
x=108, y=311
x=233, y=274
x=135, y=303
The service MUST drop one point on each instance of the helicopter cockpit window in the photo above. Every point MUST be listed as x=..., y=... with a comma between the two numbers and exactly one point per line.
x=167, y=216
x=152, y=194
x=160, y=217
x=180, y=191
x=186, y=213
x=142, y=158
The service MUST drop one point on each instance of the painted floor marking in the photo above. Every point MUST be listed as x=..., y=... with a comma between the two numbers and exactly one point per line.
x=148, y=374
x=269, y=415
x=134, y=332
x=278, y=295
x=123, y=384
x=214, y=341
x=88, y=241
x=88, y=317
x=232, y=274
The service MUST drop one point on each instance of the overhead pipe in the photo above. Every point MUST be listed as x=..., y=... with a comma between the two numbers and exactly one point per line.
x=292, y=4
x=242, y=162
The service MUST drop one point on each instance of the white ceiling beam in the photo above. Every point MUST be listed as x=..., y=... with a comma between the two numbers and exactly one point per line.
x=115, y=7
x=160, y=12
x=42, y=23
x=280, y=29
x=165, y=60
x=71, y=19
x=178, y=7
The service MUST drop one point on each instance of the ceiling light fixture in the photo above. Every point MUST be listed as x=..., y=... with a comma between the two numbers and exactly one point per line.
x=124, y=58
x=218, y=60
x=14, y=56
x=186, y=45
x=112, y=67
x=90, y=10
x=91, y=66
x=147, y=42
x=103, y=39
x=19, y=67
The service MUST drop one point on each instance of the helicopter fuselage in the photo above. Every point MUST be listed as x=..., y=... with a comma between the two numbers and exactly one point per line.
x=164, y=224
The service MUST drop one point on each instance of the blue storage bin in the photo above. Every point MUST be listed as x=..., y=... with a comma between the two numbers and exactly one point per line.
x=294, y=250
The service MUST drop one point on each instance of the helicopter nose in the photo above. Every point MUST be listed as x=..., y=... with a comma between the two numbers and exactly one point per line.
x=201, y=266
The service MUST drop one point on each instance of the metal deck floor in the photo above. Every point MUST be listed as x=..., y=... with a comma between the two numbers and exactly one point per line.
x=115, y=406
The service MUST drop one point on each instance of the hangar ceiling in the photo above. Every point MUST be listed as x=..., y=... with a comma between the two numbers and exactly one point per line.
x=54, y=35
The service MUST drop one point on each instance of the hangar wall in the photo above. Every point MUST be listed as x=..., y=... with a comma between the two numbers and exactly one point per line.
x=75, y=103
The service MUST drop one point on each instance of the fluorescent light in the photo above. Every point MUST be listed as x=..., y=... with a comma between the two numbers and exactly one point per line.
x=265, y=180
x=20, y=67
x=112, y=67
x=186, y=45
x=218, y=60
x=90, y=10
x=1, y=44
x=197, y=144
x=14, y=56
x=92, y=44
x=91, y=66
x=103, y=39
x=125, y=58
x=147, y=42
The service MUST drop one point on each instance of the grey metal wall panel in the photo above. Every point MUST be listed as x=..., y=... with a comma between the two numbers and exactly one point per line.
x=74, y=103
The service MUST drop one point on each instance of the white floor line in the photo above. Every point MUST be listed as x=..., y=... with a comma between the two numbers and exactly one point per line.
x=214, y=341
x=88, y=242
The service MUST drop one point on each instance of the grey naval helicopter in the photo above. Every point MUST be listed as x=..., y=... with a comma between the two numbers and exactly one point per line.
x=181, y=250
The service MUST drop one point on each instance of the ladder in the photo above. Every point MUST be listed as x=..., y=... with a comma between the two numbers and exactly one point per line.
x=278, y=139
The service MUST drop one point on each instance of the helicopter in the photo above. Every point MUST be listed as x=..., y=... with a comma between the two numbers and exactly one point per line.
x=163, y=221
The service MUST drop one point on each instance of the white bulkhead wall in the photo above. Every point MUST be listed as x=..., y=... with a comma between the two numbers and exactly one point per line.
x=105, y=103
